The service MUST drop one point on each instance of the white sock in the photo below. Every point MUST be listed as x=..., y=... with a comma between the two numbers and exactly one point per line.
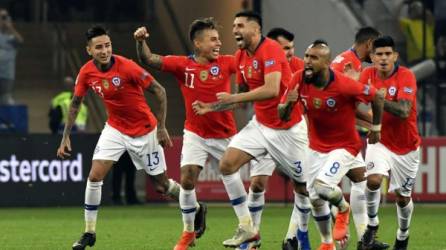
x=174, y=189
x=237, y=194
x=358, y=205
x=300, y=216
x=188, y=200
x=92, y=200
x=256, y=201
x=321, y=214
x=404, y=217
x=373, y=199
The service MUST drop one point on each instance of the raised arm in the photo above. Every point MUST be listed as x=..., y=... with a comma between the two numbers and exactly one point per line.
x=72, y=115
x=145, y=55
x=163, y=136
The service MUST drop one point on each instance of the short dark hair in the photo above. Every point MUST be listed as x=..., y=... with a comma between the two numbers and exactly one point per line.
x=366, y=33
x=94, y=31
x=199, y=25
x=251, y=16
x=383, y=41
x=276, y=32
x=319, y=42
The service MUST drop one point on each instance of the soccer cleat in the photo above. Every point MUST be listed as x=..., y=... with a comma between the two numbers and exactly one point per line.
x=369, y=241
x=304, y=241
x=290, y=244
x=341, y=225
x=187, y=240
x=327, y=246
x=87, y=239
x=401, y=244
x=245, y=233
x=253, y=245
x=200, y=220
x=377, y=245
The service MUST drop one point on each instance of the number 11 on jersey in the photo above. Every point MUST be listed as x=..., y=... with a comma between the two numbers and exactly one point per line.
x=189, y=81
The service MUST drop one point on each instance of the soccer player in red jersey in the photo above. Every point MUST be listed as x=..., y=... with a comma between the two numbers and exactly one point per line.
x=200, y=77
x=350, y=62
x=263, y=68
x=397, y=154
x=330, y=100
x=130, y=127
x=286, y=39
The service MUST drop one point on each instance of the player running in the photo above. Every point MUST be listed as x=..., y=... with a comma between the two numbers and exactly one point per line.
x=130, y=127
x=397, y=154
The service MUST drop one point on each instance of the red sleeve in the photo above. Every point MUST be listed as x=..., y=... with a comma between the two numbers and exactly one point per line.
x=173, y=64
x=139, y=75
x=407, y=86
x=81, y=85
x=338, y=63
x=361, y=92
x=272, y=59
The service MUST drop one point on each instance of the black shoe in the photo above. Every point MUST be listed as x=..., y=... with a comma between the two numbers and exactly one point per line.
x=200, y=220
x=369, y=241
x=290, y=244
x=87, y=239
x=376, y=246
x=401, y=244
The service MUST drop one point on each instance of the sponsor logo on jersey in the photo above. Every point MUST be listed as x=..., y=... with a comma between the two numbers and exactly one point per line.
x=269, y=63
x=408, y=90
x=105, y=83
x=203, y=75
x=317, y=103
x=116, y=81
x=330, y=102
x=215, y=70
x=255, y=64
x=392, y=91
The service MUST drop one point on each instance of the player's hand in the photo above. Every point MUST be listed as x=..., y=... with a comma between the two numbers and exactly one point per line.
x=292, y=96
x=141, y=34
x=351, y=72
x=225, y=97
x=374, y=137
x=163, y=137
x=64, y=148
x=201, y=108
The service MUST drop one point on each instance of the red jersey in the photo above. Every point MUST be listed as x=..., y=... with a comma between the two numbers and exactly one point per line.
x=121, y=88
x=203, y=82
x=268, y=57
x=346, y=57
x=296, y=64
x=331, y=111
x=398, y=135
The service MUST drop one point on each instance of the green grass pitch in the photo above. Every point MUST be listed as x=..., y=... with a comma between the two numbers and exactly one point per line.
x=157, y=227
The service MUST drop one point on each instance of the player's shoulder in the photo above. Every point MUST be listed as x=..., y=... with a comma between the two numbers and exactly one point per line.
x=405, y=74
x=368, y=70
x=269, y=44
x=87, y=68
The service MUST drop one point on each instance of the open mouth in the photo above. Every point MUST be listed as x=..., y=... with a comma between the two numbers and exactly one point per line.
x=308, y=72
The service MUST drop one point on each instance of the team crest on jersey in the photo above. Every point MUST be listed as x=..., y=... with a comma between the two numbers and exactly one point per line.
x=249, y=72
x=330, y=102
x=317, y=103
x=255, y=64
x=105, y=83
x=203, y=75
x=116, y=81
x=215, y=70
x=392, y=91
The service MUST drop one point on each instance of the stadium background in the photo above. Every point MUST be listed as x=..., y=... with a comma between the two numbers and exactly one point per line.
x=55, y=47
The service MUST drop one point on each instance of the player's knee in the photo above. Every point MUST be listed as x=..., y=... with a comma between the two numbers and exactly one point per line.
x=324, y=190
x=317, y=203
x=300, y=188
x=374, y=181
x=94, y=177
x=257, y=186
x=226, y=166
x=402, y=201
x=187, y=183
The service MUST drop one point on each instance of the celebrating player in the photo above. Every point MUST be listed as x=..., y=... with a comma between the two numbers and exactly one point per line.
x=131, y=126
x=397, y=154
x=330, y=101
x=286, y=39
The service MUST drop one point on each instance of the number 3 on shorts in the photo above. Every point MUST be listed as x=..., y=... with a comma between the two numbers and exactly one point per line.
x=298, y=167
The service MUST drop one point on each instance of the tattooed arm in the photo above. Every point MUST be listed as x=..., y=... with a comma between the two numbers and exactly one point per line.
x=163, y=136
x=377, y=109
x=145, y=55
x=400, y=108
x=72, y=114
x=201, y=108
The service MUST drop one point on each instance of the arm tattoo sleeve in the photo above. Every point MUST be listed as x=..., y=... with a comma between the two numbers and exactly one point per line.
x=401, y=108
x=72, y=114
x=146, y=57
x=159, y=91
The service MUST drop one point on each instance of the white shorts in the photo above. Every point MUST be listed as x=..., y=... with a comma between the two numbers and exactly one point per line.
x=403, y=168
x=208, y=151
x=145, y=151
x=287, y=147
x=329, y=167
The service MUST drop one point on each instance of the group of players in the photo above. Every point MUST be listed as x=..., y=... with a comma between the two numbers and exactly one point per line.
x=289, y=94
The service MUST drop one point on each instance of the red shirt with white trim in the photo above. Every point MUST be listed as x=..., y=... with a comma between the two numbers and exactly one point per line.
x=121, y=89
x=268, y=57
x=203, y=82
x=398, y=135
